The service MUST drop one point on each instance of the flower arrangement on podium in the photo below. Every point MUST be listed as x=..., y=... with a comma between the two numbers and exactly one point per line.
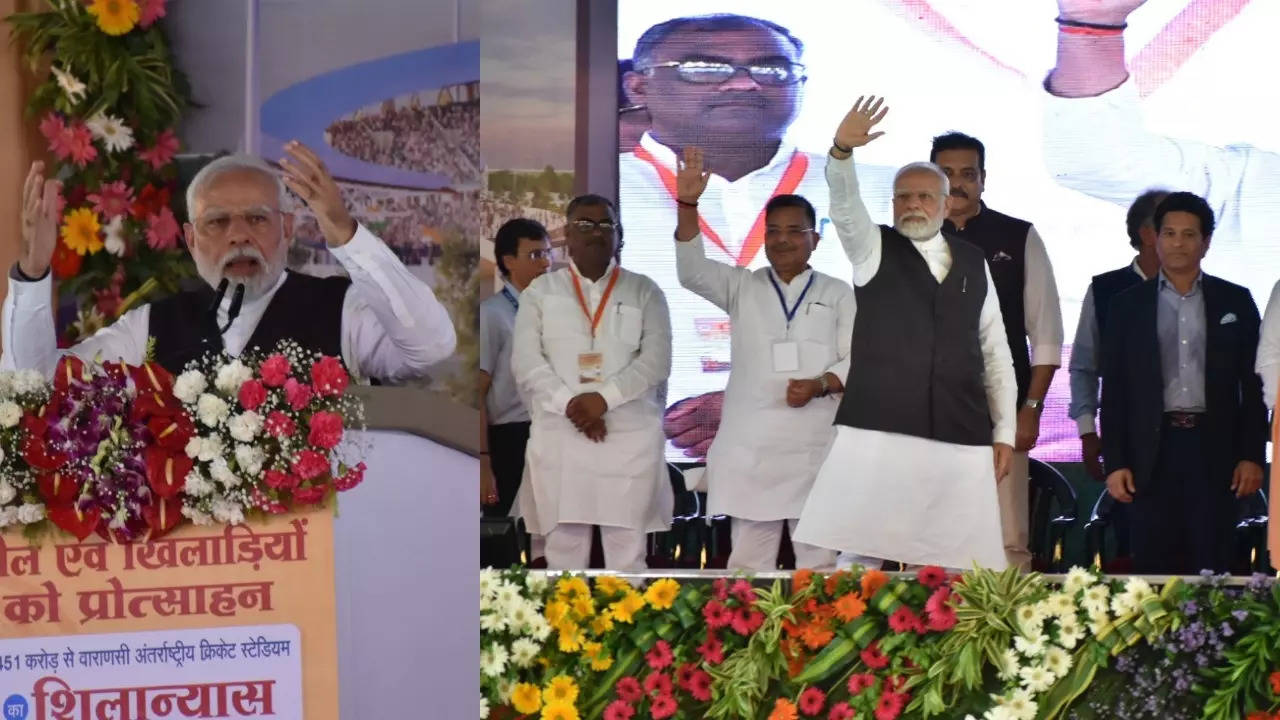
x=130, y=452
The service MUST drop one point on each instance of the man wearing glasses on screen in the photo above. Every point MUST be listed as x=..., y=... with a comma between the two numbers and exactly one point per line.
x=732, y=85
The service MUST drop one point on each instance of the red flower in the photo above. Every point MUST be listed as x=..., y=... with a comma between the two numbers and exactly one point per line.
x=938, y=600
x=684, y=675
x=162, y=152
x=328, y=376
x=895, y=683
x=162, y=230
x=716, y=614
x=275, y=370
x=712, y=651
x=66, y=262
x=150, y=11
x=261, y=500
x=700, y=686
x=873, y=658
x=1275, y=683
x=149, y=202
x=297, y=394
x=112, y=199
x=860, y=681
x=252, y=394
x=280, y=480
x=741, y=622
x=77, y=141
x=619, y=710
x=659, y=656
x=278, y=424
x=310, y=495
x=721, y=589
x=628, y=690
x=662, y=707
x=811, y=701
x=171, y=433
x=840, y=711
x=755, y=620
x=326, y=430
x=931, y=576
x=890, y=706
x=942, y=620
x=351, y=478
x=743, y=591
x=310, y=464
x=904, y=620
x=657, y=684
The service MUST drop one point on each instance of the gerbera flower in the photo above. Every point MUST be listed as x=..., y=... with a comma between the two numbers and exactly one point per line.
x=610, y=585
x=931, y=576
x=938, y=600
x=783, y=709
x=859, y=682
x=873, y=658
x=662, y=707
x=850, y=607
x=150, y=12
x=162, y=152
x=65, y=263
x=114, y=17
x=657, y=684
x=661, y=595
x=716, y=614
x=811, y=701
x=561, y=689
x=872, y=581
x=840, y=711
x=700, y=686
x=816, y=636
x=712, y=651
x=890, y=706
x=942, y=620
x=111, y=131
x=1036, y=678
x=80, y=231
x=526, y=698
x=78, y=143
x=659, y=656
x=720, y=589
x=112, y=199
x=628, y=690
x=559, y=711
x=903, y=620
x=801, y=579
x=744, y=592
x=619, y=710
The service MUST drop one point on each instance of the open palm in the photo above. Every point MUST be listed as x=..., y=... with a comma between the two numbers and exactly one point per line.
x=1102, y=12
x=856, y=128
x=692, y=176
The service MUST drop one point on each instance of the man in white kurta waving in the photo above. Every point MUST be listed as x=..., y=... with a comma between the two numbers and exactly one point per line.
x=790, y=343
x=926, y=426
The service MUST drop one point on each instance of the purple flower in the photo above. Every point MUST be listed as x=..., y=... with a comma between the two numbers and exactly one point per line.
x=1240, y=615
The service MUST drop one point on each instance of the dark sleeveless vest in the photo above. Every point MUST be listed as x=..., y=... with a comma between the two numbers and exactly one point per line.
x=1003, y=240
x=917, y=361
x=306, y=309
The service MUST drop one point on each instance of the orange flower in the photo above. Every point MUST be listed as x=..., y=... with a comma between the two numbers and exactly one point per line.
x=801, y=580
x=1275, y=683
x=872, y=581
x=795, y=666
x=816, y=636
x=791, y=629
x=850, y=607
x=783, y=709
x=833, y=581
x=810, y=606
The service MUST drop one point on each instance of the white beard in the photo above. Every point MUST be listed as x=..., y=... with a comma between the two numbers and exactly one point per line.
x=256, y=285
x=918, y=229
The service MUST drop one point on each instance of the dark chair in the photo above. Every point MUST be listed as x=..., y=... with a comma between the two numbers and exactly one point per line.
x=499, y=542
x=681, y=546
x=1052, y=513
x=1251, y=534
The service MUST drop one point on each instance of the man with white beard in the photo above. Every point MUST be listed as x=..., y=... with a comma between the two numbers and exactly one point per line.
x=382, y=322
x=925, y=430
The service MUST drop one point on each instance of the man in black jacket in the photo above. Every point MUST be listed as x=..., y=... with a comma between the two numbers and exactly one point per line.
x=1184, y=427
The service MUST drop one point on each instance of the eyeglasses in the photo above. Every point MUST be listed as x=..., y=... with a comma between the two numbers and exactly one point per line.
x=218, y=223
x=704, y=72
x=539, y=254
x=773, y=233
x=584, y=225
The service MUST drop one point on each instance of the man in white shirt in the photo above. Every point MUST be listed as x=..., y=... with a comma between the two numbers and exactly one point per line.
x=928, y=407
x=383, y=323
x=791, y=332
x=592, y=351
x=1029, y=306
x=1268, y=367
x=731, y=85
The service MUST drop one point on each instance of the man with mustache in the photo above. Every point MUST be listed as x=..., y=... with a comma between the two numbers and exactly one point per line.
x=791, y=327
x=591, y=351
x=382, y=322
x=1029, y=304
x=926, y=427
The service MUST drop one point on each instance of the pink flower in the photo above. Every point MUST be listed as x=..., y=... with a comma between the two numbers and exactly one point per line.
x=328, y=376
x=712, y=651
x=811, y=701
x=859, y=682
x=310, y=464
x=326, y=430
x=721, y=588
x=903, y=620
x=162, y=230
x=619, y=710
x=942, y=620
x=659, y=656
x=931, y=576
x=716, y=615
x=150, y=11
x=700, y=686
x=162, y=152
x=309, y=495
x=112, y=199
x=278, y=424
x=351, y=478
x=275, y=370
x=938, y=600
x=51, y=127
x=840, y=711
x=297, y=394
x=662, y=707
x=278, y=480
x=742, y=590
x=628, y=690
x=890, y=706
x=873, y=657
x=657, y=684
x=252, y=394
x=78, y=142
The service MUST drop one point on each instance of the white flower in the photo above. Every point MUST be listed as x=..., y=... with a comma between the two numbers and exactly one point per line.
x=8, y=516
x=484, y=708
x=196, y=516
x=71, y=86
x=488, y=582
x=193, y=446
x=1070, y=633
x=1030, y=619
x=523, y=652
x=196, y=484
x=7, y=492
x=1123, y=604
x=999, y=712
x=1030, y=647
x=220, y=472
x=1140, y=589
x=111, y=131
x=231, y=376
x=1057, y=660
x=1077, y=579
x=250, y=459
x=1061, y=605
x=30, y=512
x=210, y=448
x=189, y=385
x=227, y=511
x=506, y=594
x=520, y=616
x=27, y=381
x=6, y=383
x=1096, y=598
x=212, y=409
x=1021, y=705
x=114, y=231
x=536, y=581
x=1036, y=678
x=1031, y=629
x=10, y=414
x=493, y=622
x=505, y=687
x=1010, y=665
x=245, y=426
x=540, y=629
x=493, y=660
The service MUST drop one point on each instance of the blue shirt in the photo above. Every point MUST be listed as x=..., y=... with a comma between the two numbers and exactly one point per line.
x=497, y=320
x=1181, y=327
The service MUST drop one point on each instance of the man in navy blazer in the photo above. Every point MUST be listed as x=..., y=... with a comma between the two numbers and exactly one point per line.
x=1184, y=427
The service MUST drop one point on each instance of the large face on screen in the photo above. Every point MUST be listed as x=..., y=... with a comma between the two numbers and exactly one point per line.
x=1181, y=244
x=919, y=204
x=686, y=107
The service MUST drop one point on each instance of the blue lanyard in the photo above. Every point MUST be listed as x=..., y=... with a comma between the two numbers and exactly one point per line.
x=511, y=298
x=782, y=300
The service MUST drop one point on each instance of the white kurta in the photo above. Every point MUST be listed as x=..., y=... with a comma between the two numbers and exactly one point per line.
x=766, y=454
x=902, y=497
x=623, y=481
x=1268, y=361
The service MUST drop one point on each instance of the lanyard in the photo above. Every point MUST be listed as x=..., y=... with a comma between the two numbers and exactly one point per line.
x=791, y=178
x=782, y=300
x=506, y=292
x=604, y=299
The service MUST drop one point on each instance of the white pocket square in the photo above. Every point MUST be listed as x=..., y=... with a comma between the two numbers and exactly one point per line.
x=1227, y=319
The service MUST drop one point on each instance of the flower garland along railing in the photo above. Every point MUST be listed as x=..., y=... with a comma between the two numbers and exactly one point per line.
x=863, y=644
x=107, y=110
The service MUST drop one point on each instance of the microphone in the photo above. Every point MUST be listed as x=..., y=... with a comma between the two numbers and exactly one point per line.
x=217, y=300
x=237, y=299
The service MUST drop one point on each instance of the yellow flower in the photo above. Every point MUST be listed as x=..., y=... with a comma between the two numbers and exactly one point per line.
x=594, y=652
x=570, y=587
x=610, y=585
x=80, y=231
x=601, y=624
x=115, y=17
x=570, y=638
x=559, y=711
x=662, y=594
x=625, y=609
x=561, y=690
x=584, y=606
x=526, y=698
x=556, y=611
x=600, y=664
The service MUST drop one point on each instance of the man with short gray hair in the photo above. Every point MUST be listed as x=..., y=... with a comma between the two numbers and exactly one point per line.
x=382, y=322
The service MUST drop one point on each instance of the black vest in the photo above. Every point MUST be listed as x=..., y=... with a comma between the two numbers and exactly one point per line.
x=1003, y=240
x=1108, y=285
x=306, y=309
x=917, y=360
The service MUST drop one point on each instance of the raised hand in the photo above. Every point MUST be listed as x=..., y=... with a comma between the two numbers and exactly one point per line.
x=306, y=175
x=1100, y=12
x=692, y=177
x=855, y=128
x=39, y=222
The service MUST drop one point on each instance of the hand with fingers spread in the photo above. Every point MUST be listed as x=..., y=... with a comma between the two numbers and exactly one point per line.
x=691, y=181
x=855, y=128
x=39, y=222
x=306, y=175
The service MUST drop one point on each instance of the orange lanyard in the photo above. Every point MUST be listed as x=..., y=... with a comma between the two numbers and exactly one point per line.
x=604, y=299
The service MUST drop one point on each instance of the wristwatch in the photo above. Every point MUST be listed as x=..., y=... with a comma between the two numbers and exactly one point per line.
x=826, y=385
x=1033, y=404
